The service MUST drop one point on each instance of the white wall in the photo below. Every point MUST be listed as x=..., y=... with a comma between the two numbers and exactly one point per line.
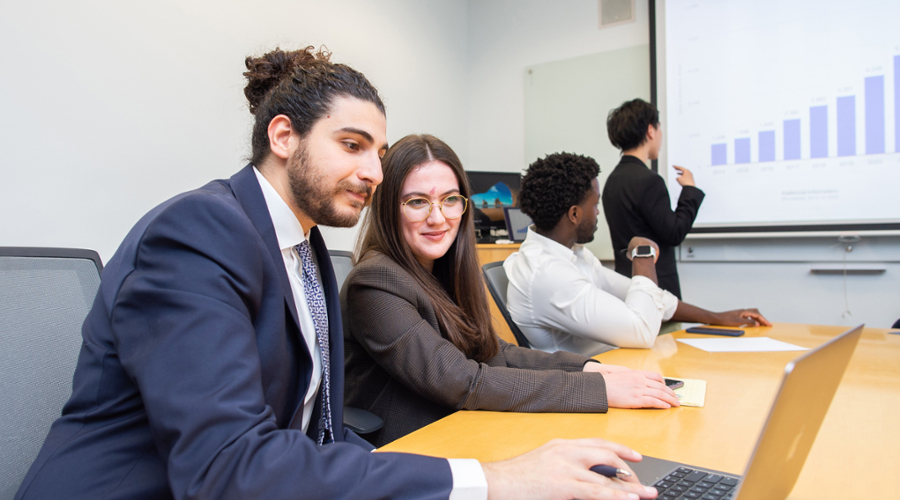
x=796, y=279
x=108, y=108
x=790, y=292
x=505, y=36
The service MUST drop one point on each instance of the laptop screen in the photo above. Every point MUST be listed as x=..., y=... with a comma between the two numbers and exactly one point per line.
x=516, y=223
x=807, y=388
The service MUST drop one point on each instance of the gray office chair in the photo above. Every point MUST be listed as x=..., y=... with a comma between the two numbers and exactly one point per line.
x=45, y=294
x=497, y=283
x=342, y=262
x=356, y=419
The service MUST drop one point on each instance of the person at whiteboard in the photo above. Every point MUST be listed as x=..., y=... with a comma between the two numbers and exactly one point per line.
x=636, y=201
x=559, y=294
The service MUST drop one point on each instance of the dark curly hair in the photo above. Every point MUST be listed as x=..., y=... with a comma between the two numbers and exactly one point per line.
x=554, y=184
x=300, y=84
x=627, y=124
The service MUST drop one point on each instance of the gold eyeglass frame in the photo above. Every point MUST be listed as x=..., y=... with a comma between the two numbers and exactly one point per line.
x=431, y=205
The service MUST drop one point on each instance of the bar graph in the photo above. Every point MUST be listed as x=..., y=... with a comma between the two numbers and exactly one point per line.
x=719, y=154
x=742, y=150
x=792, y=139
x=818, y=132
x=875, y=114
x=791, y=108
x=846, y=125
x=767, y=145
x=897, y=102
x=846, y=118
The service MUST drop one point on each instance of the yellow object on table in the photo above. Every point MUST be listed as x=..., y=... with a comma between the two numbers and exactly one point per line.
x=692, y=393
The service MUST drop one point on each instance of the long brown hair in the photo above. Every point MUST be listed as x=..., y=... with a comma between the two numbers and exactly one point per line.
x=455, y=286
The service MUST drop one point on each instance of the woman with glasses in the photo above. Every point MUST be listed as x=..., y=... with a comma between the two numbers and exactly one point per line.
x=419, y=339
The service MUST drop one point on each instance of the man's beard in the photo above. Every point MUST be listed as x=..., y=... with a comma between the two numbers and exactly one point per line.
x=314, y=198
x=584, y=234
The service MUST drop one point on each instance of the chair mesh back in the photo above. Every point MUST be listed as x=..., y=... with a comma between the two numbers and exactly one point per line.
x=43, y=303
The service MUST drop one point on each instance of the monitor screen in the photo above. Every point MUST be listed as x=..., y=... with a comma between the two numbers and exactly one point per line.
x=516, y=224
x=491, y=192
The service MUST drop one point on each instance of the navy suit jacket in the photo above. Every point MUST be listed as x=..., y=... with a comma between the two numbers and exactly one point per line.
x=191, y=377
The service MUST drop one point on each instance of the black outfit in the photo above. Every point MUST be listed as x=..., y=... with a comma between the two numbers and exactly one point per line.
x=636, y=203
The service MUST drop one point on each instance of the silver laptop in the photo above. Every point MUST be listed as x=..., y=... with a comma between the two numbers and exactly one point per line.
x=807, y=389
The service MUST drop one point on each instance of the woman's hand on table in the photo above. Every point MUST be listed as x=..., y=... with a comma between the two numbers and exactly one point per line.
x=627, y=388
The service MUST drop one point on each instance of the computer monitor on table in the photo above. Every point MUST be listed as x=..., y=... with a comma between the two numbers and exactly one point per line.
x=491, y=193
x=516, y=223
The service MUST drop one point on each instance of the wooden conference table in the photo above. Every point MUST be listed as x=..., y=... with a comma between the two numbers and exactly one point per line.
x=856, y=454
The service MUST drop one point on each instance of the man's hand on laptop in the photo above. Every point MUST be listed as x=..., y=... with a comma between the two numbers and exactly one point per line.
x=560, y=470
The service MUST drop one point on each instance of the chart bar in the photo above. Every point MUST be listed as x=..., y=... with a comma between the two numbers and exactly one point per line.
x=897, y=104
x=719, y=154
x=767, y=145
x=791, y=139
x=742, y=150
x=875, y=115
x=846, y=125
x=818, y=132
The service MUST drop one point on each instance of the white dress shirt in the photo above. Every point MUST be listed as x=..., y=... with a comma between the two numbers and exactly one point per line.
x=564, y=299
x=290, y=234
x=469, y=482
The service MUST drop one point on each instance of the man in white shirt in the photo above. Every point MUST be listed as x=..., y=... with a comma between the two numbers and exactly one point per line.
x=212, y=363
x=559, y=294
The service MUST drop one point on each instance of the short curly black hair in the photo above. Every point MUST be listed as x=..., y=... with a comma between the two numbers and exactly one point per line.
x=554, y=184
x=627, y=124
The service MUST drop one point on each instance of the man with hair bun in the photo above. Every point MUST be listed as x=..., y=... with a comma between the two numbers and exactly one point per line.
x=559, y=294
x=212, y=361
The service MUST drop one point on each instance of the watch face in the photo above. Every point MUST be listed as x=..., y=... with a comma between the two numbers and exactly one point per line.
x=643, y=251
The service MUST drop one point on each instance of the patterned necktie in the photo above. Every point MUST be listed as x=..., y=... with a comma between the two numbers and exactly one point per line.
x=315, y=299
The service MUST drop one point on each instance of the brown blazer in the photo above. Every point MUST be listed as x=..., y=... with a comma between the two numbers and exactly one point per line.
x=400, y=367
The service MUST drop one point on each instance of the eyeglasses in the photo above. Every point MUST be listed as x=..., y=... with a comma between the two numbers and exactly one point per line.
x=418, y=209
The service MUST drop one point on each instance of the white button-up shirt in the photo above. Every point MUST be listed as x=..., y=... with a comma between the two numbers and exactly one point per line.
x=564, y=299
x=469, y=482
x=290, y=233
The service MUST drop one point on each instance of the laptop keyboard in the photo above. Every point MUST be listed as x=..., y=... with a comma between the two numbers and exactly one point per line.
x=685, y=483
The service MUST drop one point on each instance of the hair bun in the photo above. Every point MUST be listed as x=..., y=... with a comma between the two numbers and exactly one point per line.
x=264, y=72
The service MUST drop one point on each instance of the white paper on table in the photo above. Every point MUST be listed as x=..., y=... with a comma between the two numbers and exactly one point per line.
x=751, y=344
